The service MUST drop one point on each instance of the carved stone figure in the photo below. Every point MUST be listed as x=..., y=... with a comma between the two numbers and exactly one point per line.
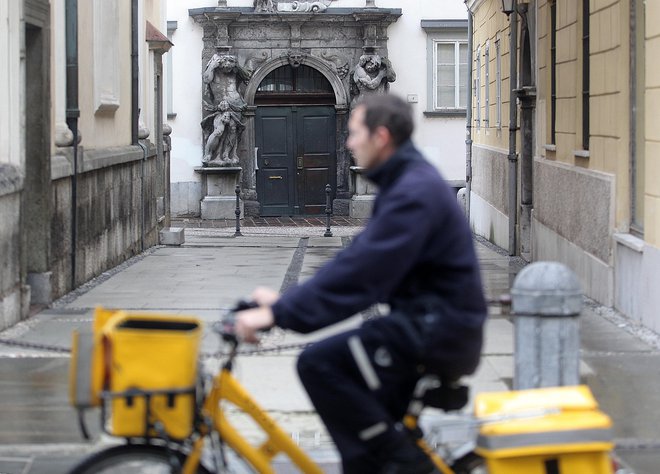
x=297, y=6
x=338, y=62
x=264, y=6
x=223, y=125
x=295, y=58
x=372, y=75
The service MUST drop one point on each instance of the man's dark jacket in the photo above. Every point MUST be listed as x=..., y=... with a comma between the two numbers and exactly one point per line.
x=416, y=253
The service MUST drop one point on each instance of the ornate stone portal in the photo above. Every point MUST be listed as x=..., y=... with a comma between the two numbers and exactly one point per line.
x=348, y=46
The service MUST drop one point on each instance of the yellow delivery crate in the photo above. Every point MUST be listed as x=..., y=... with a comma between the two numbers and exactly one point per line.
x=151, y=357
x=87, y=371
x=557, y=429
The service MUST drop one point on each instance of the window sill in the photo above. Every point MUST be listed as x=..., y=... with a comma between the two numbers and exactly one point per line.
x=628, y=240
x=446, y=113
x=549, y=147
x=581, y=153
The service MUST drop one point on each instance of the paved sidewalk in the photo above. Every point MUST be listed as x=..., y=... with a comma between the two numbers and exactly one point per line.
x=38, y=431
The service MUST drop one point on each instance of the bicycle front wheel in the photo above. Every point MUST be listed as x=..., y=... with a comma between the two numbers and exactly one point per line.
x=471, y=463
x=133, y=459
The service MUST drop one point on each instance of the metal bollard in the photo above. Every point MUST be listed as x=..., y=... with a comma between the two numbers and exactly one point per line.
x=328, y=211
x=546, y=303
x=238, y=212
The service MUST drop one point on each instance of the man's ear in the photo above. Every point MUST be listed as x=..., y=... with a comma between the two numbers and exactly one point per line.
x=383, y=136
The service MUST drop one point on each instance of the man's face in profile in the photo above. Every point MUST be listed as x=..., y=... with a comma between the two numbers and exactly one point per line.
x=360, y=141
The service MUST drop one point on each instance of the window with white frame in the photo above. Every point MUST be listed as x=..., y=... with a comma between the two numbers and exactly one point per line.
x=450, y=66
x=448, y=60
x=477, y=87
x=487, y=84
x=498, y=83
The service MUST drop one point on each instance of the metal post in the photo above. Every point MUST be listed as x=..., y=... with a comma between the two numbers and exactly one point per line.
x=328, y=211
x=546, y=303
x=238, y=212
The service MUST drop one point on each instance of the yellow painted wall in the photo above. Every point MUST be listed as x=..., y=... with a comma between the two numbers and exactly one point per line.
x=609, y=144
x=104, y=130
x=652, y=155
x=490, y=24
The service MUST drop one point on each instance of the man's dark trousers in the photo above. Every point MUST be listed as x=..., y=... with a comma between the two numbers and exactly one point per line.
x=360, y=386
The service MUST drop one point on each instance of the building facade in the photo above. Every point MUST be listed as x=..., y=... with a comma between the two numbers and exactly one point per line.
x=83, y=178
x=297, y=74
x=583, y=147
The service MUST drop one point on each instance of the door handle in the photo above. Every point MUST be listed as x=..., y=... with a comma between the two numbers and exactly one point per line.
x=275, y=177
x=300, y=162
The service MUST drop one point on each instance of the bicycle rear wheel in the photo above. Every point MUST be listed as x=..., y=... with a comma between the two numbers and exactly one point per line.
x=132, y=459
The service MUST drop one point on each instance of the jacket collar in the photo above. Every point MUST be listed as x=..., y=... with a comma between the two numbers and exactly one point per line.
x=386, y=173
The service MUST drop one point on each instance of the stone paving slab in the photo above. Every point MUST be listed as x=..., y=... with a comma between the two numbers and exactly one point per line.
x=38, y=432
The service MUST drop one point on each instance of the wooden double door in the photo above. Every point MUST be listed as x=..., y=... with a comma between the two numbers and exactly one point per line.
x=296, y=159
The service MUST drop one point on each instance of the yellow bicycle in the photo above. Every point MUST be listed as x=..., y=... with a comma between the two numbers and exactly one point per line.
x=535, y=431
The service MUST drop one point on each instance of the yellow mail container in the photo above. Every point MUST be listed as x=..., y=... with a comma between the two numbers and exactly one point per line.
x=155, y=354
x=554, y=430
x=87, y=371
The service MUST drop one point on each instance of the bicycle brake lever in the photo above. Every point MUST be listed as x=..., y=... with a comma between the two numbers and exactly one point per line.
x=242, y=305
x=226, y=327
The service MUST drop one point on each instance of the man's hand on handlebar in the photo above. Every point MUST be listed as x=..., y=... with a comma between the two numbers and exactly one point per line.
x=264, y=296
x=249, y=321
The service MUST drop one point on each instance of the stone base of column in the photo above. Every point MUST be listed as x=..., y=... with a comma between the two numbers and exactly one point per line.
x=219, y=192
x=361, y=206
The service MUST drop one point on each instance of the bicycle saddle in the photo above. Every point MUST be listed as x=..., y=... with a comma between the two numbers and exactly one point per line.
x=436, y=392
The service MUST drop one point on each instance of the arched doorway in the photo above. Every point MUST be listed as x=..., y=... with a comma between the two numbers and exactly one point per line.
x=295, y=127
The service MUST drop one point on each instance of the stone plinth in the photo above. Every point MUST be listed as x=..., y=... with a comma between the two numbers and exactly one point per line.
x=219, y=192
x=364, y=194
x=172, y=236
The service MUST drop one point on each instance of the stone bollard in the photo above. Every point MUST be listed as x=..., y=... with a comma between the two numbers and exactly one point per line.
x=461, y=197
x=546, y=302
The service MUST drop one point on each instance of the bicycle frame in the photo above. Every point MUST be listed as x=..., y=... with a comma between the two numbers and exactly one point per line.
x=410, y=422
x=226, y=387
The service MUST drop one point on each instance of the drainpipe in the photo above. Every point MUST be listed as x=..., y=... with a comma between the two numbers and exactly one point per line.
x=513, y=128
x=135, y=109
x=468, y=132
x=135, y=71
x=72, y=114
x=142, y=214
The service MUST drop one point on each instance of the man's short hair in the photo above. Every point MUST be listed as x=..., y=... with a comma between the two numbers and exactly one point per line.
x=389, y=111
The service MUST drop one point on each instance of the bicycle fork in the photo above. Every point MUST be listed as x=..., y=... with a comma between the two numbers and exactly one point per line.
x=410, y=422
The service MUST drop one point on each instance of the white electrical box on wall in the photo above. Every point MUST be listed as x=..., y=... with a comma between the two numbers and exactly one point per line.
x=413, y=98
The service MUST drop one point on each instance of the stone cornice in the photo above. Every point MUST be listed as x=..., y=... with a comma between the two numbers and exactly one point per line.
x=473, y=5
x=444, y=24
x=247, y=14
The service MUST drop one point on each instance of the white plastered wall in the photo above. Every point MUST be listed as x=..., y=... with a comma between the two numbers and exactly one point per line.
x=12, y=84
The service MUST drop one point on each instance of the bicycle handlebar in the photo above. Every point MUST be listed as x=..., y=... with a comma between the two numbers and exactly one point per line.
x=226, y=327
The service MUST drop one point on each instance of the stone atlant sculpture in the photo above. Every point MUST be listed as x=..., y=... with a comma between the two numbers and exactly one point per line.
x=264, y=6
x=372, y=75
x=222, y=102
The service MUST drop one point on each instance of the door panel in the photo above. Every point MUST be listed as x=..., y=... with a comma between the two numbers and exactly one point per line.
x=275, y=160
x=316, y=145
x=296, y=159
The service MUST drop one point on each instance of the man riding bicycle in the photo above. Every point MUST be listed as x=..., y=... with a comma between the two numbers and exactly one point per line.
x=416, y=254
